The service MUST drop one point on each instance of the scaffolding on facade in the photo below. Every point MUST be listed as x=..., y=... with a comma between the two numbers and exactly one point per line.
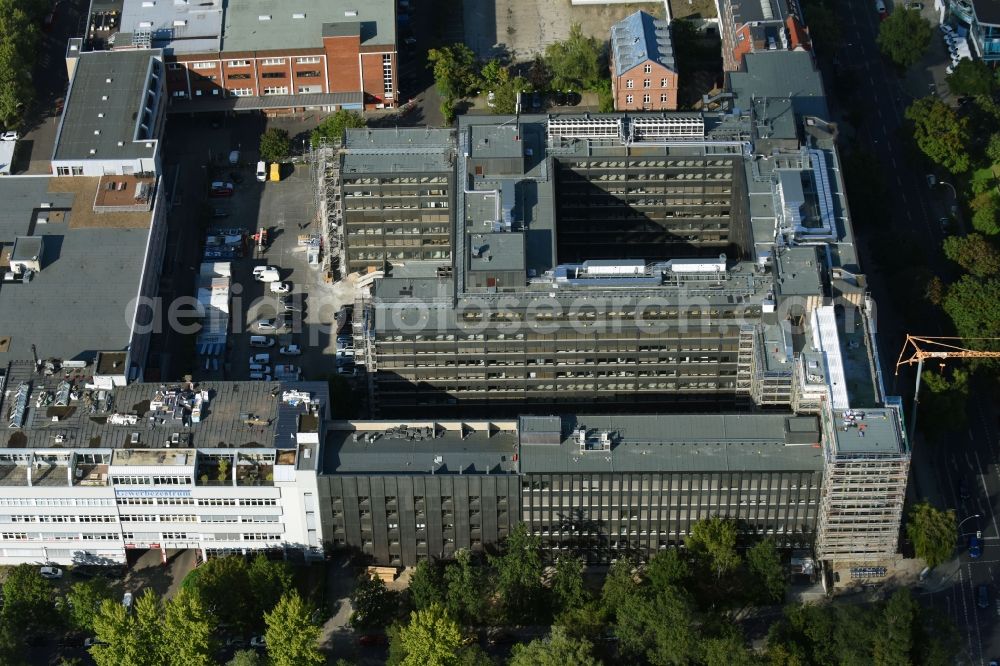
x=324, y=160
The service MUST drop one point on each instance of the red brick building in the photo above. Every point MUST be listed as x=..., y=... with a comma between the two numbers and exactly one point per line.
x=254, y=54
x=643, y=68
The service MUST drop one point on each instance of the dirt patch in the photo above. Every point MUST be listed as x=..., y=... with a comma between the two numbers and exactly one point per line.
x=18, y=440
x=696, y=9
x=61, y=412
x=523, y=28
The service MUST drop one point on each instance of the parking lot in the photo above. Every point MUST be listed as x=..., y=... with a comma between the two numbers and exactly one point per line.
x=286, y=209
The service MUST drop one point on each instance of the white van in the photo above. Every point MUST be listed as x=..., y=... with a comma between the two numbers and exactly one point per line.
x=261, y=341
x=260, y=377
x=267, y=275
x=254, y=367
x=262, y=172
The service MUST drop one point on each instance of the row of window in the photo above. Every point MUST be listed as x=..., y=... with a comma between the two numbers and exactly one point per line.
x=191, y=518
x=646, y=99
x=29, y=518
x=646, y=83
x=267, y=62
x=156, y=480
x=195, y=536
x=53, y=501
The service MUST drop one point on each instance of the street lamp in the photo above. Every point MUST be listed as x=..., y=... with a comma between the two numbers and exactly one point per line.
x=965, y=520
x=954, y=194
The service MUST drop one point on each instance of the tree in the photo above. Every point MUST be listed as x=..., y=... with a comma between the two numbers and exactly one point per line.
x=454, y=71
x=187, y=630
x=427, y=585
x=986, y=213
x=974, y=307
x=658, y=628
x=894, y=642
x=466, y=596
x=934, y=291
x=904, y=36
x=246, y=658
x=584, y=621
x=932, y=531
x=274, y=145
x=373, y=604
x=715, y=539
x=269, y=580
x=224, y=585
x=332, y=127
x=567, y=584
x=944, y=400
x=971, y=77
x=505, y=95
x=431, y=638
x=557, y=649
x=940, y=133
x=575, y=63
x=768, y=574
x=993, y=147
x=27, y=599
x=291, y=636
x=83, y=601
x=666, y=569
x=728, y=649
x=519, y=575
x=824, y=25
x=494, y=74
x=619, y=584
x=975, y=253
x=130, y=638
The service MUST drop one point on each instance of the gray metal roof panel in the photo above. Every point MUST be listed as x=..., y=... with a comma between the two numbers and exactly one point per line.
x=449, y=453
x=244, y=31
x=178, y=27
x=90, y=122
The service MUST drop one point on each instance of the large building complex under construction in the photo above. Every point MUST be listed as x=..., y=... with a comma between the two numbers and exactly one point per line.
x=692, y=276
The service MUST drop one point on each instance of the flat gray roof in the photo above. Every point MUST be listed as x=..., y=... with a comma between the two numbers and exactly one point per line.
x=399, y=150
x=875, y=431
x=676, y=443
x=79, y=302
x=349, y=452
x=176, y=27
x=797, y=271
x=302, y=23
x=99, y=115
x=783, y=75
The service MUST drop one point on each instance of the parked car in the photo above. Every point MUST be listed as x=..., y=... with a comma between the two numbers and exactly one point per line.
x=290, y=350
x=127, y=600
x=266, y=274
x=880, y=8
x=51, y=573
x=10, y=135
x=280, y=287
x=262, y=358
x=946, y=29
x=262, y=172
x=221, y=188
x=260, y=377
x=261, y=341
x=371, y=640
x=560, y=98
x=266, y=325
x=261, y=369
x=983, y=596
x=975, y=547
x=235, y=642
x=220, y=212
x=491, y=99
x=258, y=642
x=234, y=157
x=348, y=369
x=536, y=101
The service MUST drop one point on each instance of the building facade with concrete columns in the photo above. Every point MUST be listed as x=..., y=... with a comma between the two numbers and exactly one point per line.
x=254, y=55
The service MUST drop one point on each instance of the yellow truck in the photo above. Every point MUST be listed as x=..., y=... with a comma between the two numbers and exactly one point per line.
x=275, y=172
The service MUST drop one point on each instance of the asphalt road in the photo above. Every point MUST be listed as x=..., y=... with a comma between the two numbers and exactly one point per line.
x=970, y=455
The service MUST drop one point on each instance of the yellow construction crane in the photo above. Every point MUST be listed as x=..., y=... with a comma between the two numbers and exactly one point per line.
x=941, y=348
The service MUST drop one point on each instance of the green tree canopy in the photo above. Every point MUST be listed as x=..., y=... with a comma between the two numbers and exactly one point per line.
x=556, y=649
x=427, y=585
x=567, y=584
x=237, y=592
x=454, y=71
x=373, y=604
x=715, y=539
x=575, y=62
x=894, y=643
x=27, y=599
x=83, y=601
x=940, y=133
x=494, y=74
x=619, y=584
x=431, y=638
x=187, y=630
x=131, y=638
x=247, y=658
x=667, y=569
x=291, y=637
x=986, y=213
x=519, y=576
x=274, y=144
x=332, y=127
x=659, y=628
x=767, y=573
x=904, y=36
x=975, y=253
x=468, y=590
x=932, y=531
x=993, y=147
x=824, y=24
x=971, y=77
x=19, y=47
x=505, y=95
x=942, y=405
x=974, y=307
